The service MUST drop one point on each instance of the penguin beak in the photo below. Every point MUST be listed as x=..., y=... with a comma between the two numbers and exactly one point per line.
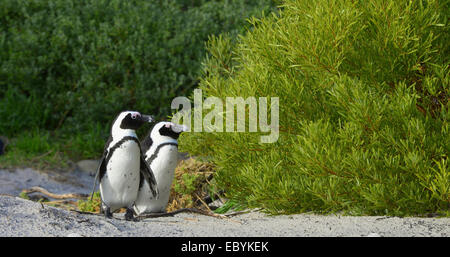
x=147, y=118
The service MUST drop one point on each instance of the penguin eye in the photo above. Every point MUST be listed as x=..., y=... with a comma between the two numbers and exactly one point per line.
x=133, y=116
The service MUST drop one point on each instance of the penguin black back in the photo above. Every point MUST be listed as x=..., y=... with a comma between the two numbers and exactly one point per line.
x=146, y=143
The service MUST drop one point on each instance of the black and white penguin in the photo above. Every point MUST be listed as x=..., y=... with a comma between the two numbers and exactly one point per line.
x=161, y=153
x=123, y=169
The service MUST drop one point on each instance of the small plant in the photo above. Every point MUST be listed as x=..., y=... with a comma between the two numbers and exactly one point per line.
x=24, y=195
x=190, y=184
x=90, y=205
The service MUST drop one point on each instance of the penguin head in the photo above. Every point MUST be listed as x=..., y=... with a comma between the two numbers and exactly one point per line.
x=167, y=130
x=129, y=121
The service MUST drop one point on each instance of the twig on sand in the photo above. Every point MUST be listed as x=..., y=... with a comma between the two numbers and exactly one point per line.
x=55, y=196
x=9, y=195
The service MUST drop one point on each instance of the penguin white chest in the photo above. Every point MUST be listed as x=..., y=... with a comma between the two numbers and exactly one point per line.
x=163, y=166
x=120, y=184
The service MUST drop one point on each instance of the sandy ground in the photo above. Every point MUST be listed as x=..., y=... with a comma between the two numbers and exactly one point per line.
x=19, y=217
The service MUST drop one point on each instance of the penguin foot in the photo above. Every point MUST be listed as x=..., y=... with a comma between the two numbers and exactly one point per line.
x=107, y=213
x=129, y=215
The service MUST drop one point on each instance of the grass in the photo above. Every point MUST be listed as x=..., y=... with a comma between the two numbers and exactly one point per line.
x=35, y=150
x=57, y=150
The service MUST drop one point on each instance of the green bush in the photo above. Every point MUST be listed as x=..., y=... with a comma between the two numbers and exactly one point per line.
x=363, y=88
x=72, y=65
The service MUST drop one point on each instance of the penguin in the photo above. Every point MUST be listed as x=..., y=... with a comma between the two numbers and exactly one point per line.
x=122, y=168
x=161, y=153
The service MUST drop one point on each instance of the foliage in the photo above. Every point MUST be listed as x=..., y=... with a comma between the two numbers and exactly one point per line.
x=70, y=66
x=89, y=205
x=187, y=185
x=34, y=149
x=228, y=206
x=24, y=195
x=363, y=88
x=190, y=184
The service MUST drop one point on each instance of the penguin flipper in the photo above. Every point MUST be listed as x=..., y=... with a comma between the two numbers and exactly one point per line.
x=101, y=167
x=146, y=143
x=100, y=172
x=148, y=175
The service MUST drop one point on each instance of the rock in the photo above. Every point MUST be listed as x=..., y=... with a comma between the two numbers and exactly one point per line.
x=373, y=235
x=88, y=166
x=74, y=235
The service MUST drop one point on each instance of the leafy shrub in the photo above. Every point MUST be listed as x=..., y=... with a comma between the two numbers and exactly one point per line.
x=89, y=205
x=363, y=88
x=70, y=65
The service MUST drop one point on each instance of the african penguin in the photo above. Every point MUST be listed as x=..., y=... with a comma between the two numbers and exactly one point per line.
x=161, y=153
x=122, y=169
